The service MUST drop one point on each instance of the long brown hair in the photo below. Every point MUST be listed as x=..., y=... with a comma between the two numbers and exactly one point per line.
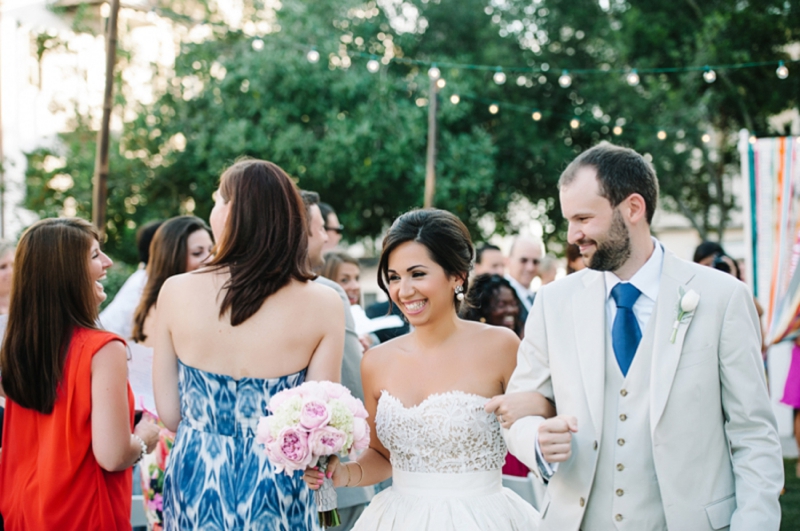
x=334, y=261
x=167, y=258
x=52, y=294
x=265, y=239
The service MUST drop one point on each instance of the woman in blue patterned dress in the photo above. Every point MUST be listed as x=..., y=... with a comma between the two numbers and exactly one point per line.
x=228, y=337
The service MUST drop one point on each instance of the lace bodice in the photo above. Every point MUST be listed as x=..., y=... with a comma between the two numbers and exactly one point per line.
x=445, y=433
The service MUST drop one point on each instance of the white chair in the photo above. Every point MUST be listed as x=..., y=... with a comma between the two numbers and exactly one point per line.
x=528, y=488
x=138, y=516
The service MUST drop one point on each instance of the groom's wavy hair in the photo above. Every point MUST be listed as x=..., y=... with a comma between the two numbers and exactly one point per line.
x=442, y=233
x=265, y=239
x=620, y=173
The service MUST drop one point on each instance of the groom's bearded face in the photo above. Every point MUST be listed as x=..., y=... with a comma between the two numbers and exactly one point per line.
x=612, y=249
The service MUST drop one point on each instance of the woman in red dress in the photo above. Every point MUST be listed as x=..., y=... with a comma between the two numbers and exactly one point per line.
x=67, y=442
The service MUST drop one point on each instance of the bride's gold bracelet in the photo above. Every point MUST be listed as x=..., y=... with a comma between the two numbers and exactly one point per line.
x=359, y=479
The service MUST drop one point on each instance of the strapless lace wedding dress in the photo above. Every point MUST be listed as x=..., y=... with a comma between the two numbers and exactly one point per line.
x=446, y=454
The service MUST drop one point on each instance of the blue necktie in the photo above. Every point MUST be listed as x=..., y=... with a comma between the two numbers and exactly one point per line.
x=625, y=333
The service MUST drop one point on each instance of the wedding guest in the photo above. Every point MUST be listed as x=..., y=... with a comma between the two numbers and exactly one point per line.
x=70, y=439
x=117, y=317
x=548, y=269
x=228, y=337
x=489, y=259
x=523, y=266
x=492, y=300
x=7, y=249
x=333, y=228
x=345, y=271
x=574, y=259
x=791, y=394
x=351, y=502
x=181, y=244
x=654, y=366
x=425, y=393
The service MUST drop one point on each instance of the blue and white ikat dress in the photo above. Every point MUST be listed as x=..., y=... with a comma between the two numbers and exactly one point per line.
x=218, y=477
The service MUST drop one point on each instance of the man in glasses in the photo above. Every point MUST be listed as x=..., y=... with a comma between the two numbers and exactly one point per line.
x=332, y=227
x=523, y=266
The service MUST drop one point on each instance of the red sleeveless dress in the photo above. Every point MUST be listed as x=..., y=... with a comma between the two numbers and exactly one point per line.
x=49, y=477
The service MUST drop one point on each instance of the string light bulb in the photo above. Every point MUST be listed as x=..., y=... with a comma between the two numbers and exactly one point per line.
x=662, y=135
x=434, y=72
x=565, y=79
x=258, y=45
x=574, y=123
x=632, y=78
x=499, y=77
x=617, y=130
x=454, y=99
x=312, y=55
x=536, y=116
x=441, y=83
x=494, y=108
x=782, y=72
x=373, y=65
x=706, y=138
x=709, y=75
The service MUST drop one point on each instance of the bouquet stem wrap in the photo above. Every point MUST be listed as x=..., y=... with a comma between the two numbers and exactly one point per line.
x=325, y=498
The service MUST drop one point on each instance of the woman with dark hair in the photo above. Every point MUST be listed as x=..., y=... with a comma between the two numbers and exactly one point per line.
x=425, y=393
x=492, y=300
x=345, y=271
x=70, y=441
x=181, y=244
x=228, y=337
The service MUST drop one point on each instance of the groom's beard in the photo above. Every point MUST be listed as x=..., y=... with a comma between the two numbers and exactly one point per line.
x=615, y=250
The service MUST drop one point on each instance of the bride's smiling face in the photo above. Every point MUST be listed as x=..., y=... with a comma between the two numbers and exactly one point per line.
x=418, y=285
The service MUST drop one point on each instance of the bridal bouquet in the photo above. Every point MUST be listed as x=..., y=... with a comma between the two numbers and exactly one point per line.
x=310, y=423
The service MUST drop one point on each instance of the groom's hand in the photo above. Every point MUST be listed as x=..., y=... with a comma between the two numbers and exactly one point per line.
x=555, y=438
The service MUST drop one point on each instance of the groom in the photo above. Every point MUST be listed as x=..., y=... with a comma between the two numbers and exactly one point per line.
x=664, y=420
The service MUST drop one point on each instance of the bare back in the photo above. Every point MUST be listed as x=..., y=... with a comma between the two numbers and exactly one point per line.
x=279, y=339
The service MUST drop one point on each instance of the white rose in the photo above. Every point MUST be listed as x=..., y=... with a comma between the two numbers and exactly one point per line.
x=689, y=301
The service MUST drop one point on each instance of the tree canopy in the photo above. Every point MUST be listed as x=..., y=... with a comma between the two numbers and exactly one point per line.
x=359, y=138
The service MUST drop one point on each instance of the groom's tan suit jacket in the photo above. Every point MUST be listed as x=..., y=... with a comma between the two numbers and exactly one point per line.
x=716, y=451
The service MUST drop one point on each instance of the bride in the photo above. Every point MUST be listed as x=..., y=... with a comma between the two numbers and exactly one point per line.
x=426, y=392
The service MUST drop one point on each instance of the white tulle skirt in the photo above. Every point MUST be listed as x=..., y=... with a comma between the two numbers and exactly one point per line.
x=473, y=501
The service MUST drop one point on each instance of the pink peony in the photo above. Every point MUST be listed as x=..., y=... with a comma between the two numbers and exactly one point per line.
x=290, y=450
x=360, y=436
x=263, y=432
x=326, y=441
x=279, y=398
x=315, y=413
x=355, y=405
x=334, y=390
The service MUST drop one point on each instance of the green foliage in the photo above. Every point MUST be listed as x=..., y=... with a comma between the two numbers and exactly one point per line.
x=359, y=139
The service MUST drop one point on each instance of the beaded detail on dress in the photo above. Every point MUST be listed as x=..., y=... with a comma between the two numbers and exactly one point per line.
x=446, y=433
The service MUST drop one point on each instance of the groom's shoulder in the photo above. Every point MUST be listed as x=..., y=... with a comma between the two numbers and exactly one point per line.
x=707, y=277
x=571, y=282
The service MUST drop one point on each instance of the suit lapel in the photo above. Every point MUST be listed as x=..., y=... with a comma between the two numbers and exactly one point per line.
x=590, y=337
x=666, y=354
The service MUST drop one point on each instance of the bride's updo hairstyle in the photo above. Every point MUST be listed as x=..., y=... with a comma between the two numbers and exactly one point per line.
x=442, y=233
x=265, y=240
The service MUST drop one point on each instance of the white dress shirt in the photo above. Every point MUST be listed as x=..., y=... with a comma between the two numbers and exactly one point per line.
x=525, y=295
x=646, y=280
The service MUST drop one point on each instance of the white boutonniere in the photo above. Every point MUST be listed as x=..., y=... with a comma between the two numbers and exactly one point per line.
x=686, y=306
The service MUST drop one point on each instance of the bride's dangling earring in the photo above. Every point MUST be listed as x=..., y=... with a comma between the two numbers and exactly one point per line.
x=460, y=293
